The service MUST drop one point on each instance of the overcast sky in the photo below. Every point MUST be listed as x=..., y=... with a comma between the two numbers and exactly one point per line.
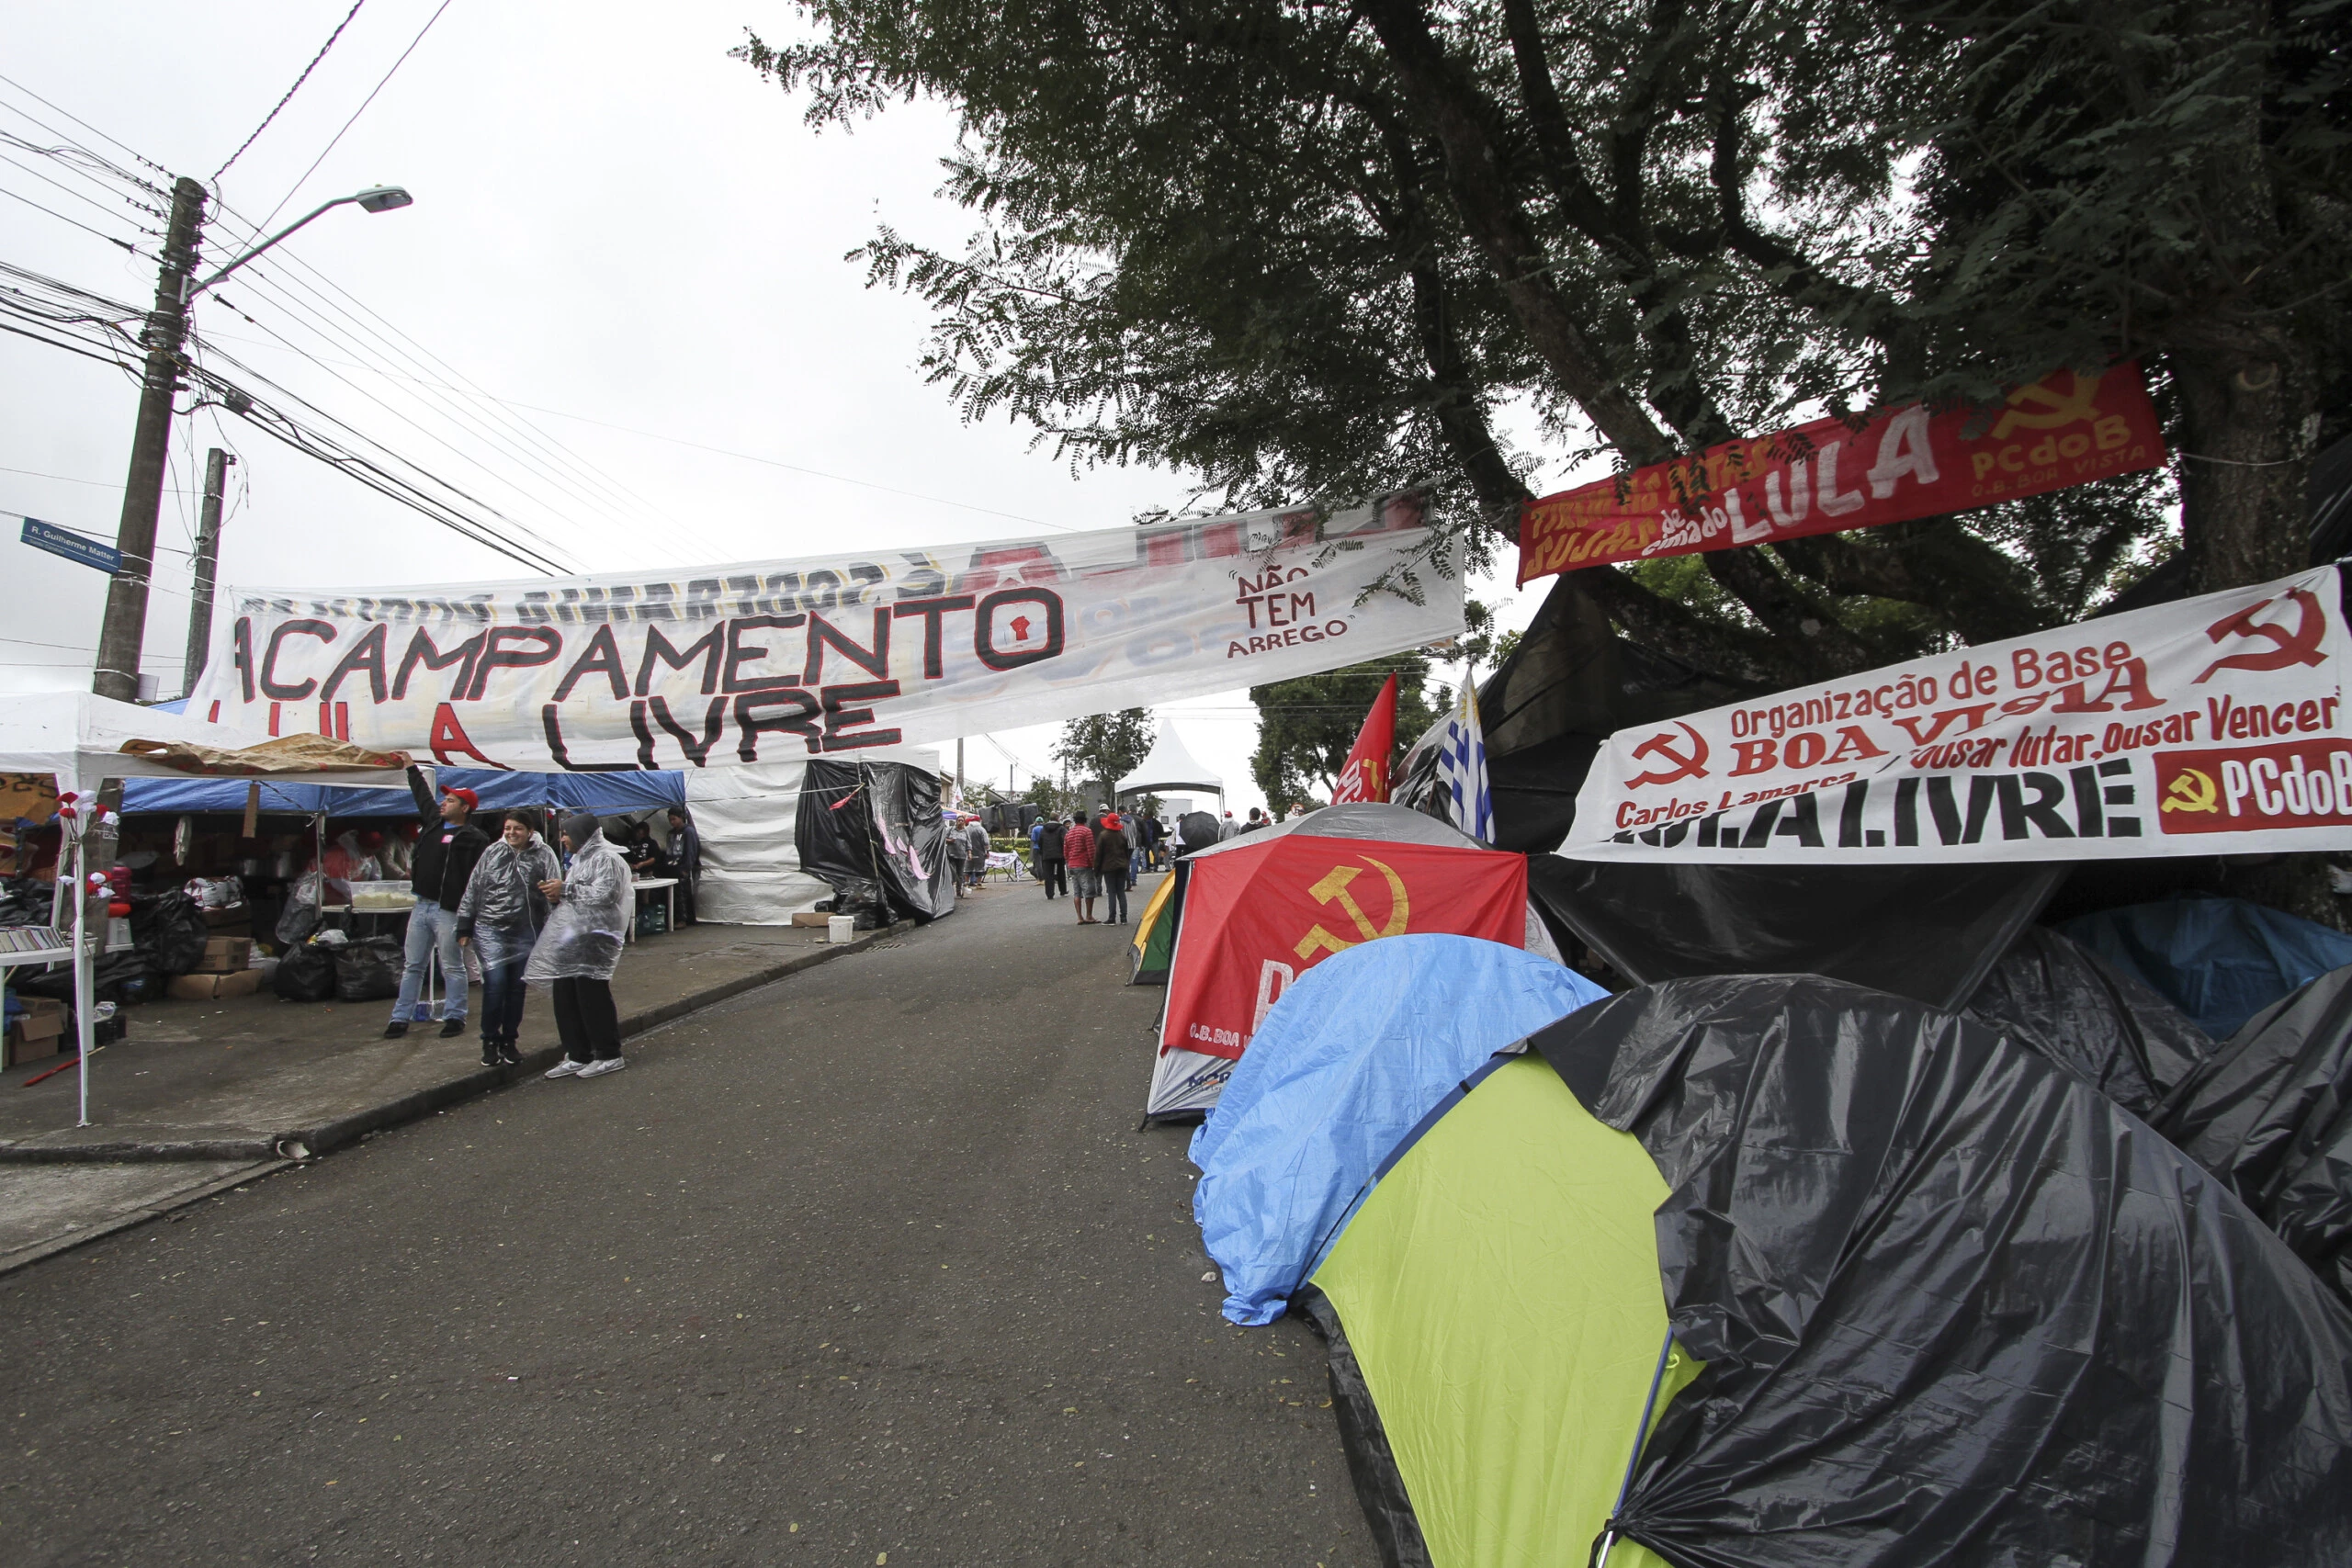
x=624, y=244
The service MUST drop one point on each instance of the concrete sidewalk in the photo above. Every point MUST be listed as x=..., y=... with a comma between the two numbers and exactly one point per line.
x=255, y=1079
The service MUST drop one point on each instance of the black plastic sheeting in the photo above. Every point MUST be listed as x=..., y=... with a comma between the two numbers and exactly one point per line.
x=1372, y=1463
x=1931, y=933
x=2109, y=1028
x=872, y=833
x=367, y=970
x=2270, y=1115
x=1957, y=1306
x=306, y=974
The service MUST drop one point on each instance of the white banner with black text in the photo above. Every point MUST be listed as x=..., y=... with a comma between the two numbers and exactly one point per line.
x=2211, y=725
x=770, y=660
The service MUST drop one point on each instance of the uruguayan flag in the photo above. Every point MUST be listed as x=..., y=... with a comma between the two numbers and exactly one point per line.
x=1462, y=769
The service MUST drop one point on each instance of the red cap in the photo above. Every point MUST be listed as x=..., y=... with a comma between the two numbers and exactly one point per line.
x=473, y=801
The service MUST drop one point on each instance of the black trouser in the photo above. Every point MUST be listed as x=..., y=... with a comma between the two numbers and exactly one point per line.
x=1054, y=877
x=585, y=1019
x=1114, y=895
x=501, y=1001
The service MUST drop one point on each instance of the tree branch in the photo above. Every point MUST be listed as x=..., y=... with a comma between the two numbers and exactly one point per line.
x=1457, y=114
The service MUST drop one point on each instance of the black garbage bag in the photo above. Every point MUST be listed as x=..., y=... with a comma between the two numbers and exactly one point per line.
x=2111, y=1029
x=169, y=928
x=369, y=970
x=26, y=901
x=123, y=978
x=1957, y=1306
x=305, y=974
x=2270, y=1113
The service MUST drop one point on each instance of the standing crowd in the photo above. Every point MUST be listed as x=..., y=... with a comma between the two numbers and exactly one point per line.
x=532, y=917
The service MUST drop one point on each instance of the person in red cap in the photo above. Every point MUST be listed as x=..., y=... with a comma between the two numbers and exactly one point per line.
x=445, y=853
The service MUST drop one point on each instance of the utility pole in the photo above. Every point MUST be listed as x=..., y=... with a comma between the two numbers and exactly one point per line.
x=959, y=771
x=124, y=632
x=207, y=554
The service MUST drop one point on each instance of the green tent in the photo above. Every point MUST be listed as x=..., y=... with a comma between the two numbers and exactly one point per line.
x=1154, y=948
x=1499, y=1294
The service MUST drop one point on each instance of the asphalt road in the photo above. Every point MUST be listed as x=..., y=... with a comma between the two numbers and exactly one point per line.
x=866, y=1267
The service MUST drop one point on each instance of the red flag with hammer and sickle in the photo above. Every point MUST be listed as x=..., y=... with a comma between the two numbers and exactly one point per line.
x=1365, y=776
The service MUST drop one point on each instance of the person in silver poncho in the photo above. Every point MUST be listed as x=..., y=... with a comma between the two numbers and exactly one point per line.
x=501, y=914
x=577, y=953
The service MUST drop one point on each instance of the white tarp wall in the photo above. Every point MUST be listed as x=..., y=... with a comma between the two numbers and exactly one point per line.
x=748, y=815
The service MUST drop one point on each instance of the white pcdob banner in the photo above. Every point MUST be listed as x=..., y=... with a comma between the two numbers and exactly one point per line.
x=2214, y=726
x=776, y=659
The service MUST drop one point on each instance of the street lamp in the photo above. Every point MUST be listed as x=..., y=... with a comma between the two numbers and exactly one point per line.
x=125, y=627
x=375, y=198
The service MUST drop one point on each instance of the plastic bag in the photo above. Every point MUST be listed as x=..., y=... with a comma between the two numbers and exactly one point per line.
x=169, y=930
x=302, y=916
x=368, y=970
x=583, y=939
x=305, y=974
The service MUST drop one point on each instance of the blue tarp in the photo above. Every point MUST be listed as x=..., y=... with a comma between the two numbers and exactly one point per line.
x=601, y=792
x=1350, y=1060
x=635, y=790
x=2219, y=960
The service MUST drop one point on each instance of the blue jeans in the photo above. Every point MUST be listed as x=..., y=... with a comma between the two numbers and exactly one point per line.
x=432, y=928
x=1115, y=890
x=501, y=1002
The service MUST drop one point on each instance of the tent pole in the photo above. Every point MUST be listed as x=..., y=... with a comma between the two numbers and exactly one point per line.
x=83, y=1029
x=1641, y=1435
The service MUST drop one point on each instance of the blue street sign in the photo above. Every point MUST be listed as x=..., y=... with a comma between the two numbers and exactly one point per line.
x=58, y=541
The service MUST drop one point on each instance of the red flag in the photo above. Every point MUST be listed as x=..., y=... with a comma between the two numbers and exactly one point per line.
x=1365, y=777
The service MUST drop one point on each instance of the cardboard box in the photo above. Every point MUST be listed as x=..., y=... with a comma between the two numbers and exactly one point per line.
x=211, y=987
x=39, y=1032
x=237, y=920
x=226, y=955
x=806, y=918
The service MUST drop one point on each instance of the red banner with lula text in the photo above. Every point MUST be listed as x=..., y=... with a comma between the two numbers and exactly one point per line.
x=1828, y=477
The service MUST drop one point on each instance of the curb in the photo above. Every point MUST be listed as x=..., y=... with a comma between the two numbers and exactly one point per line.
x=34, y=1252
x=295, y=1145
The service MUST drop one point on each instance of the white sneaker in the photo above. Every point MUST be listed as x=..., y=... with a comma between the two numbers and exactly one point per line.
x=565, y=1068
x=598, y=1069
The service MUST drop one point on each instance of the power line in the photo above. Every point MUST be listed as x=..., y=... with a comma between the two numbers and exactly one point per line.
x=62, y=478
x=79, y=316
x=461, y=455
x=291, y=91
x=77, y=223
x=69, y=114
x=362, y=341
x=91, y=166
x=356, y=113
x=797, y=468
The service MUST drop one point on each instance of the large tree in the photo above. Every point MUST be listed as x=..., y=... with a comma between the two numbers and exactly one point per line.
x=1307, y=727
x=1107, y=746
x=1306, y=249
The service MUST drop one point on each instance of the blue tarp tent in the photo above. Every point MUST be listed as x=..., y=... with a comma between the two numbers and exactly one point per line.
x=602, y=793
x=1364, y=1047
x=2219, y=960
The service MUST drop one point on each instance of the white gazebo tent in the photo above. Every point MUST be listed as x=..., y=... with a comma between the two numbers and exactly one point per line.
x=1169, y=767
x=84, y=741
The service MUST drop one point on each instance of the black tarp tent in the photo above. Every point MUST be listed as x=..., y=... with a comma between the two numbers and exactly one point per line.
x=1955, y=1304
x=872, y=831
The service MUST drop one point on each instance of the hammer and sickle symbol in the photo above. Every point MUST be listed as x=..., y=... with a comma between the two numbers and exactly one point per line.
x=2301, y=647
x=2182, y=795
x=1333, y=888
x=1689, y=764
x=2057, y=411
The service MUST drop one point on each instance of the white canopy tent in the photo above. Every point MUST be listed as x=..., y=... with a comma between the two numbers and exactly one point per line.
x=84, y=741
x=1170, y=766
